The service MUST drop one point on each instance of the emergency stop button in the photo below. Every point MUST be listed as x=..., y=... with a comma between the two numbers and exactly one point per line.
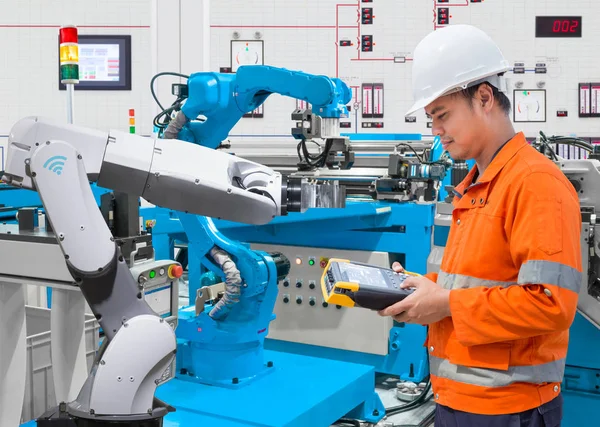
x=175, y=271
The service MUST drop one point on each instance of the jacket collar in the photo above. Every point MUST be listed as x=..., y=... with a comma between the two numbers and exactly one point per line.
x=506, y=153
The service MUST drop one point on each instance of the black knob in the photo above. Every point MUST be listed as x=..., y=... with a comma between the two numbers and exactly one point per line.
x=286, y=283
x=298, y=284
x=286, y=300
x=299, y=300
x=338, y=306
x=282, y=264
x=325, y=304
x=312, y=286
x=312, y=302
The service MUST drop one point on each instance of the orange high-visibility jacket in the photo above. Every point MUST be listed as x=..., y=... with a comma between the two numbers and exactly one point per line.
x=513, y=264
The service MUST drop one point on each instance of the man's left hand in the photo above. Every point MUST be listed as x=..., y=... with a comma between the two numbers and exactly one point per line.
x=429, y=303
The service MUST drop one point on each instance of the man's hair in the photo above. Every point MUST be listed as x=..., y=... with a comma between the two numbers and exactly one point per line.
x=500, y=98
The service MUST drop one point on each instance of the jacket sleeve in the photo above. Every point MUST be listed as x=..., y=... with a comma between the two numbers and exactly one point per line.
x=432, y=276
x=543, y=228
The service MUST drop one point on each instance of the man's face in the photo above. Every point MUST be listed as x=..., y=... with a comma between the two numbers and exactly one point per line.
x=458, y=125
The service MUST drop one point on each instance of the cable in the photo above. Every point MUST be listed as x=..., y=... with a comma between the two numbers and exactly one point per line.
x=313, y=160
x=412, y=148
x=545, y=144
x=164, y=73
x=239, y=182
x=419, y=401
x=347, y=422
x=425, y=155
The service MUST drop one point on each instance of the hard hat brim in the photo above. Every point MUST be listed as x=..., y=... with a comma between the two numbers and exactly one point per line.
x=494, y=78
x=419, y=105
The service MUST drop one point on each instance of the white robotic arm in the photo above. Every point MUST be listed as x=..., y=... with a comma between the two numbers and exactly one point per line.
x=59, y=161
x=170, y=173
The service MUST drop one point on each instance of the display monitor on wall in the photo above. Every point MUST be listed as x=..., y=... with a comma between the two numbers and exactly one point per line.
x=104, y=63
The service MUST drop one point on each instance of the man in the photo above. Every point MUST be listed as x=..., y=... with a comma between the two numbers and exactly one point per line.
x=500, y=308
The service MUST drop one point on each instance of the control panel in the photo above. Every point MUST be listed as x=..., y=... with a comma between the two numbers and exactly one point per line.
x=303, y=316
x=158, y=281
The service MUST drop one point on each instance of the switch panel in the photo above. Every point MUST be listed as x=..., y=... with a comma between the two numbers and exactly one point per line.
x=366, y=44
x=443, y=16
x=372, y=100
x=595, y=100
x=345, y=43
x=345, y=125
x=589, y=99
x=519, y=68
x=367, y=100
x=367, y=15
x=584, y=99
x=302, y=316
x=378, y=100
x=372, y=125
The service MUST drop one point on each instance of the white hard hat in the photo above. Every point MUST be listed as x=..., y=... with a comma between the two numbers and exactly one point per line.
x=454, y=58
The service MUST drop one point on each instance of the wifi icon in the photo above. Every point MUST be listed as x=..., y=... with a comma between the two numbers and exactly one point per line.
x=55, y=164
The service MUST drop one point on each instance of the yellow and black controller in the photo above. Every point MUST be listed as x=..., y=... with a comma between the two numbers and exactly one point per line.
x=354, y=284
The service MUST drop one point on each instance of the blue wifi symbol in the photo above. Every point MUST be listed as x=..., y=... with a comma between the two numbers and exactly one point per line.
x=55, y=164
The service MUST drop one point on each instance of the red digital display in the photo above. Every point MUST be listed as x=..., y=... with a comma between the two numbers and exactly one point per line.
x=558, y=26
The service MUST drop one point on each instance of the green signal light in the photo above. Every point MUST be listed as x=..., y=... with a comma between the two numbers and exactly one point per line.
x=152, y=274
x=311, y=262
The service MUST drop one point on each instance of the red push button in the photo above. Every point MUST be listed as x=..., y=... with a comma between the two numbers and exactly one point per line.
x=175, y=271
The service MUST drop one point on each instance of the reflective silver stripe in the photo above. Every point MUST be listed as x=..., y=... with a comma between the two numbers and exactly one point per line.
x=551, y=273
x=458, y=281
x=548, y=372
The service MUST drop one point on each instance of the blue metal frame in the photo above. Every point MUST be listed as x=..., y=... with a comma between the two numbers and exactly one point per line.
x=401, y=229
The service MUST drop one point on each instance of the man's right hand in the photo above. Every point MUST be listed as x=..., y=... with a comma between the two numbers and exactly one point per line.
x=397, y=267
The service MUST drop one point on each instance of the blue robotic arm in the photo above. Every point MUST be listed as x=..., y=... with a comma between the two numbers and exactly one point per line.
x=223, y=99
x=231, y=331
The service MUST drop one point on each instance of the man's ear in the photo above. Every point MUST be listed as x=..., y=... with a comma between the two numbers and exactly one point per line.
x=485, y=97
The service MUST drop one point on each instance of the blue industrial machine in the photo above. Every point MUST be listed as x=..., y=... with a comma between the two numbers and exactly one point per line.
x=221, y=354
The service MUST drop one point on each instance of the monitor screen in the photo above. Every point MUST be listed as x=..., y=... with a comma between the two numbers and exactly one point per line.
x=104, y=63
x=364, y=275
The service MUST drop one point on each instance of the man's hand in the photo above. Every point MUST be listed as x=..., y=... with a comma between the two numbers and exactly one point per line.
x=429, y=303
